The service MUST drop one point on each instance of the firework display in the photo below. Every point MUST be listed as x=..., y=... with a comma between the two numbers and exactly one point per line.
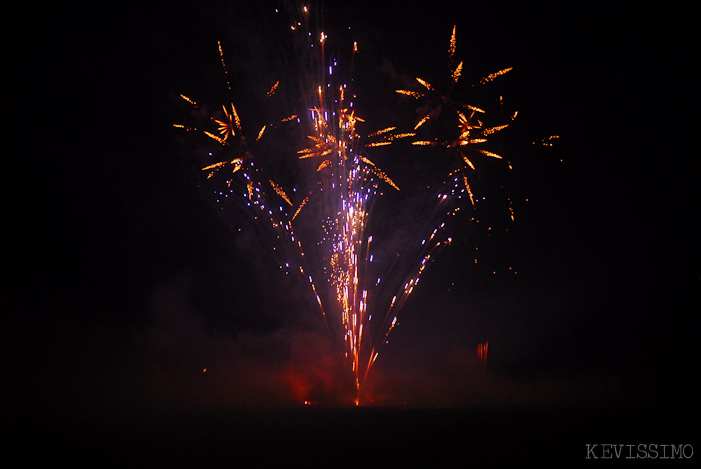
x=358, y=296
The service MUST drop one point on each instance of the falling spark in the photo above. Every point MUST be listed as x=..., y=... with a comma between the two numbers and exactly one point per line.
x=426, y=84
x=274, y=88
x=491, y=77
x=410, y=93
x=421, y=122
x=180, y=126
x=223, y=64
x=548, y=141
x=457, y=72
x=489, y=153
x=279, y=191
x=260, y=134
x=216, y=166
x=188, y=100
x=215, y=137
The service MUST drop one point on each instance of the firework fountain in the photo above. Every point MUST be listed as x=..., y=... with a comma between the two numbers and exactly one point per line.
x=358, y=299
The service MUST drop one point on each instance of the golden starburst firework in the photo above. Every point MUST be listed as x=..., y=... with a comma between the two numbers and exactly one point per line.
x=232, y=123
x=471, y=131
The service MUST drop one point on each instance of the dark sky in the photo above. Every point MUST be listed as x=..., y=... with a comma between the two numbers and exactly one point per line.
x=126, y=281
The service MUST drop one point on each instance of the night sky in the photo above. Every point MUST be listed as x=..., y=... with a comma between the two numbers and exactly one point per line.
x=127, y=281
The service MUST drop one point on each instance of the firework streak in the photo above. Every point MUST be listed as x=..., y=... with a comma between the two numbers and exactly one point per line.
x=359, y=300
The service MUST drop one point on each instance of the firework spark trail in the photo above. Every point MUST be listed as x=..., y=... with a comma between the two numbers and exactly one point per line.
x=346, y=185
x=253, y=189
x=400, y=277
x=350, y=184
x=347, y=190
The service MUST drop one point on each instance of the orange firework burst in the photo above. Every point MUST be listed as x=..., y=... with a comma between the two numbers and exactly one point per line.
x=341, y=140
x=231, y=124
x=471, y=130
x=339, y=202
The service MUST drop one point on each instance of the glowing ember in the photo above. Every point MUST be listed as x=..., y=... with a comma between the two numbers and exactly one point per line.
x=482, y=351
